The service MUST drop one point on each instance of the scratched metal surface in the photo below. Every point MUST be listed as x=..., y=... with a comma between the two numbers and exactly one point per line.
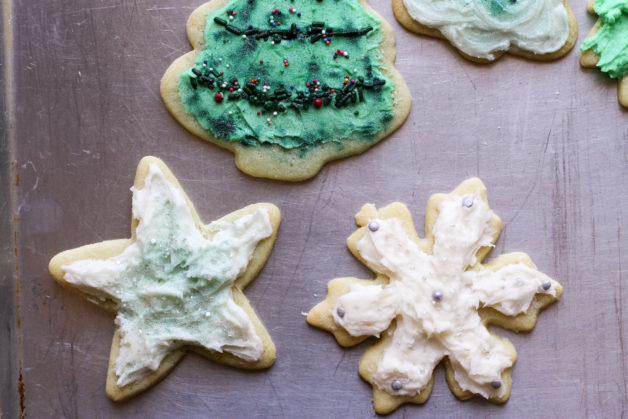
x=549, y=141
x=9, y=357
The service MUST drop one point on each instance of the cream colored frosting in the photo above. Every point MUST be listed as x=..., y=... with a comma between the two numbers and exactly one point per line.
x=172, y=286
x=481, y=27
x=435, y=299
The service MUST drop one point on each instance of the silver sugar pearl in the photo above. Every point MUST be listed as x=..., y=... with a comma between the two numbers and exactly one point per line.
x=546, y=284
x=437, y=295
x=373, y=226
x=341, y=312
x=496, y=384
x=396, y=385
x=467, y=202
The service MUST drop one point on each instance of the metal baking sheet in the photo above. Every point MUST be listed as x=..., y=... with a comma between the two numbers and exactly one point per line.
x=548, y=139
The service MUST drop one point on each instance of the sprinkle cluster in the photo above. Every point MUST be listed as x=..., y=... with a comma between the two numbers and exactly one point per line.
x=315, y=32
x=259, y=93
x=272, y=100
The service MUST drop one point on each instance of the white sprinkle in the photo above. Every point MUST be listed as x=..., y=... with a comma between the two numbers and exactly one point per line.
x=275, y=113
x=272, y=42
x=230, y=112
x=220, y=59
x=230, y=17
x=243, y=36
x=227, y=66
x=207, y=314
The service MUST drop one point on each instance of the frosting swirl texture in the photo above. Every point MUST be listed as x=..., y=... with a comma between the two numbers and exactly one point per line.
x=480, y=28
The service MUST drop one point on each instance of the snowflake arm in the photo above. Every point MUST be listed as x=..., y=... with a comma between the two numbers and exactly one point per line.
x=519, y=283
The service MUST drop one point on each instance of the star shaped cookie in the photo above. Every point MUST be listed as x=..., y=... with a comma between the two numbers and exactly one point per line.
x=433, y=299
x=176, y=284
x=606, y=46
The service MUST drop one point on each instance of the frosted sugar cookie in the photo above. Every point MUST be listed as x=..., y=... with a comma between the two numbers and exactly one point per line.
x=483, y=31
x=176, y=284
x=432, y=300
x=287, y=86
x=607, y=44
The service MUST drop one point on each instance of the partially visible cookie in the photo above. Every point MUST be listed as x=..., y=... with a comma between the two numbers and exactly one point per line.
x=176, y=285
x=287, y=86
x=483, y=31
x=432, y=300
x=606, y=47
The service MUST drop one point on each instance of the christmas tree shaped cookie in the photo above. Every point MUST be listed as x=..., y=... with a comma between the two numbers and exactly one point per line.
x=176, y=285
x=484, y=30
x=287, y=86
x=607, y=44
x=433, y=298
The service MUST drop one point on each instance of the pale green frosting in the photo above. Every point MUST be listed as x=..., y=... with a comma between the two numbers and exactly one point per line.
x=172, y=286
x=480, y=28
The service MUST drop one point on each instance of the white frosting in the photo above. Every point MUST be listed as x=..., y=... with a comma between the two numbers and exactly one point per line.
x=481, y=27
x=428, y=330
x=172, y=286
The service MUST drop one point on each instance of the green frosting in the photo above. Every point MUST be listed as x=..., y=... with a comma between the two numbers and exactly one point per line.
x=172, y=286
x=358, y=109
x=610, y=42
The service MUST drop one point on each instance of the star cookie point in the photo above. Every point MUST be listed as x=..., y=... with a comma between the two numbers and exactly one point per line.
x=176, y=285
x=432, y=299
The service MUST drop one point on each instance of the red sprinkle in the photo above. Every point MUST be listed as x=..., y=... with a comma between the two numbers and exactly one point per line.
x=318, y=102
x=261, y=61
x=218, y=97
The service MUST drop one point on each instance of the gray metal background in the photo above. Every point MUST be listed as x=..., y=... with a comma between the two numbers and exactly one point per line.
x=548, y=139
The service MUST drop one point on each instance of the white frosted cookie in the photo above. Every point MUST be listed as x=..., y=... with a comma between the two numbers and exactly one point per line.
x=285, y=86
x=176, y=284
x=484, y=31
x=432, y=300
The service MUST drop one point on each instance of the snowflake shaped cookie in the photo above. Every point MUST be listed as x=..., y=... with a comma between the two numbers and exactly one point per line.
x=176, y=285
x=433, y=298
